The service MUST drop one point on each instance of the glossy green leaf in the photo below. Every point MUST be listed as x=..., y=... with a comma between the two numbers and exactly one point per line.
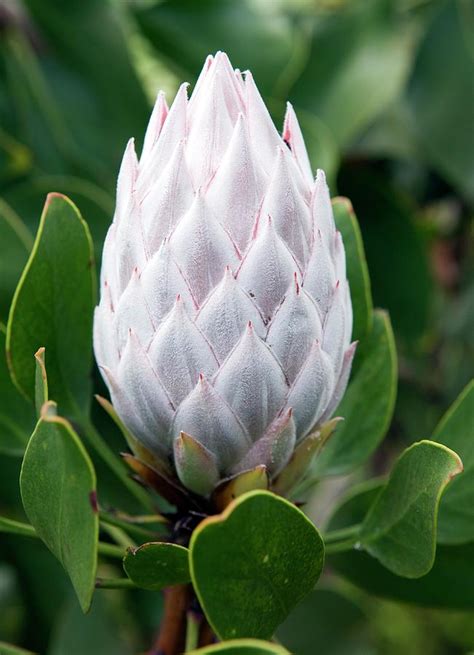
x=396, y=253
x=445, y=61
x=456, y=430
x=367, y=405
x=157, y=565
x=358, y=63
x=186, y=32
x=242, y=647
x=329, y=619
x=357, y=272
x=15, y=244
x=17, y=417
x=53, y=307
x=253, y=563
x=58, y=489
x=449, y=584
x=400, y=527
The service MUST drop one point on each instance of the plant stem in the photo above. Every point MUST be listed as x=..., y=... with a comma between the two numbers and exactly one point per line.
x=115, y=583
x=171, y=638
x=193, y=624
x=130, y=528
x=114, y=463
x=25, y=530
x=338, y=541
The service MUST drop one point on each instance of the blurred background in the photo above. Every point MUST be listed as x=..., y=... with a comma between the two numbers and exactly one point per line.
x=384, y=90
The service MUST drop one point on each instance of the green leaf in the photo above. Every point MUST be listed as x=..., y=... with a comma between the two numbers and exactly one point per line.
x=400, y=527
x=10, y=649
x=444, y=129
x=357, y=272
x=253, y=563
x=358, y=63
x=242, y=647
x=58, y=489
x=368, y=403
x=396, y=254
x=17, y=417
x=456, y=430
x=15, y=244
x=327, y=618
x=41, y=381
x=157, y=565
x=186, y=32
x=52, y=307
x=449, y=584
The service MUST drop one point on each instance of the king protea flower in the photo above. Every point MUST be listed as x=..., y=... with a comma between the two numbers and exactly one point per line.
x=224, y=324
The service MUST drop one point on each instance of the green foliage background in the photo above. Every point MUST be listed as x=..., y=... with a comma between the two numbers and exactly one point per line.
x=385, y=94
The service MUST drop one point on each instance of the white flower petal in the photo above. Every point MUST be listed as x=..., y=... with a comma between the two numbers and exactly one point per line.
x=267, y=270
x=225, y=314
x=252, y=382
x=206, y=416
x=321, y=208
x=294, y=138
x=179, y=352
x=132, y=313
x=203, y=249
x=155, y=125
x=294, y=328
x=341, y=383
x=319, y=278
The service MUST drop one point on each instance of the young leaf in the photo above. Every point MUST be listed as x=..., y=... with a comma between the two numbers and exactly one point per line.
x=157, y=565
x=242, y=647
x=52, y=307
x=41, y=381
x=253, y=563
x=400, y=528
x=456, y=430
x=17, y=417
x=357, y=271
x=58, y=489
x=368, y=403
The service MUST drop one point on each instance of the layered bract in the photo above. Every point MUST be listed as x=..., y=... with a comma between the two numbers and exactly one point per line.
x=224, y=324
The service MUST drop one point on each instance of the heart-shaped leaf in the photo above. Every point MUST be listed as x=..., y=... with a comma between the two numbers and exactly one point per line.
x=400, y=527
x=58, y=489
x=253, y=563
x=156, y=565
x=368, y=403
x=449, y=584
x=456, y=430
x=242, y=647
x=357, y=271
x=52, y=307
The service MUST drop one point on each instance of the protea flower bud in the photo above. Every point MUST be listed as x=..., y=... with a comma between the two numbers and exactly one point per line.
x=223, y=330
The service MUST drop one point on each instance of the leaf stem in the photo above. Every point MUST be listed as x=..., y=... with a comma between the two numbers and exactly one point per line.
x=26, y=530
x=193, y=624
x=338, y=541
x=114, y=463
x=129, y=528
x=115, y=583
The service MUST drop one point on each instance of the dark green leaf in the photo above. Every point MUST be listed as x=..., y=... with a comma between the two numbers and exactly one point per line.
x=58, y=490
x=357, y=273
x=15, y=244
x=359, y=61
x=157, y=565
x=253, y=563
x=456, y=430
x=400, y=527
x=17, y=417
x=398, y=264
x=53, y=307
x=242, y=647
x=329, y=619
x=368, y=403
x=185, y=33
x=445, y=61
